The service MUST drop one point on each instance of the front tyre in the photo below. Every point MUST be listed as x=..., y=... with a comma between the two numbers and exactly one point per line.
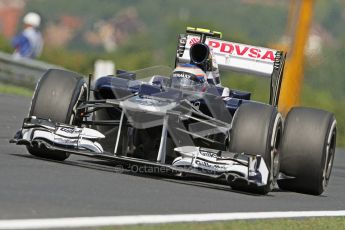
x=308, y=150
x=257, y=129
x=56, y=98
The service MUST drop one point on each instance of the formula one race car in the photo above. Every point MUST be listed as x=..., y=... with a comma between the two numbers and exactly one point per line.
x=183, y=122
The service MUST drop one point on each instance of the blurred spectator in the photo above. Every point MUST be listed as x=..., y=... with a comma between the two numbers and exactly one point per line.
x=29, y=42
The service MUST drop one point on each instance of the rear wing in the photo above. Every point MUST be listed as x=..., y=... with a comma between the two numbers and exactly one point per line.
x=236, y=56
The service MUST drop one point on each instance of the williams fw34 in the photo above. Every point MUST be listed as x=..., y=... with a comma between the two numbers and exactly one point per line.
x=183, y=122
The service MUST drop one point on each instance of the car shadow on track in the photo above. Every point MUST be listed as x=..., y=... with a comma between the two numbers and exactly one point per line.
x=114, y=167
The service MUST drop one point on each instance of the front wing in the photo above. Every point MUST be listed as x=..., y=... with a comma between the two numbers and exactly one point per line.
x=195, y=161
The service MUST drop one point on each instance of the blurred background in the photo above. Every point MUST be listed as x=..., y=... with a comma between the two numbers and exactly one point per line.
x=136, y=34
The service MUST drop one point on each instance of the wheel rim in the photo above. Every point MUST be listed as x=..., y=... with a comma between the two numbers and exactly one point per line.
x=275, y=145
x=330, y=153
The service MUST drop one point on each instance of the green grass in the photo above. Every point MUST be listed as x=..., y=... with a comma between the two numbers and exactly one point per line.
x=333, y=223
x=15, y=90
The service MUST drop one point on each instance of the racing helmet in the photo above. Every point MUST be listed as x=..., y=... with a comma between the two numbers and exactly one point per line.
x=189, y=77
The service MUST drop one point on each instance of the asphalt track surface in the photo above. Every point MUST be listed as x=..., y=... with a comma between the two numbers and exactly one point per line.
x=36, y=188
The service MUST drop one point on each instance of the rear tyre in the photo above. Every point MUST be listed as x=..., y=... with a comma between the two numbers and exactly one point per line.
x=308, y=150
x=257, y=129
x=56, y=97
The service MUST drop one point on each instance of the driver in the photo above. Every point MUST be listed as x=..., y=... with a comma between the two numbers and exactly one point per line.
x=189, y=77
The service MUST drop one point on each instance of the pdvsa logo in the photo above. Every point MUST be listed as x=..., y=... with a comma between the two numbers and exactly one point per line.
x=242, y=50
x=235, y=49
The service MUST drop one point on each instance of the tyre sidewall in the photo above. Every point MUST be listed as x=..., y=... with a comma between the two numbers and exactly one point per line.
x=304, y=148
